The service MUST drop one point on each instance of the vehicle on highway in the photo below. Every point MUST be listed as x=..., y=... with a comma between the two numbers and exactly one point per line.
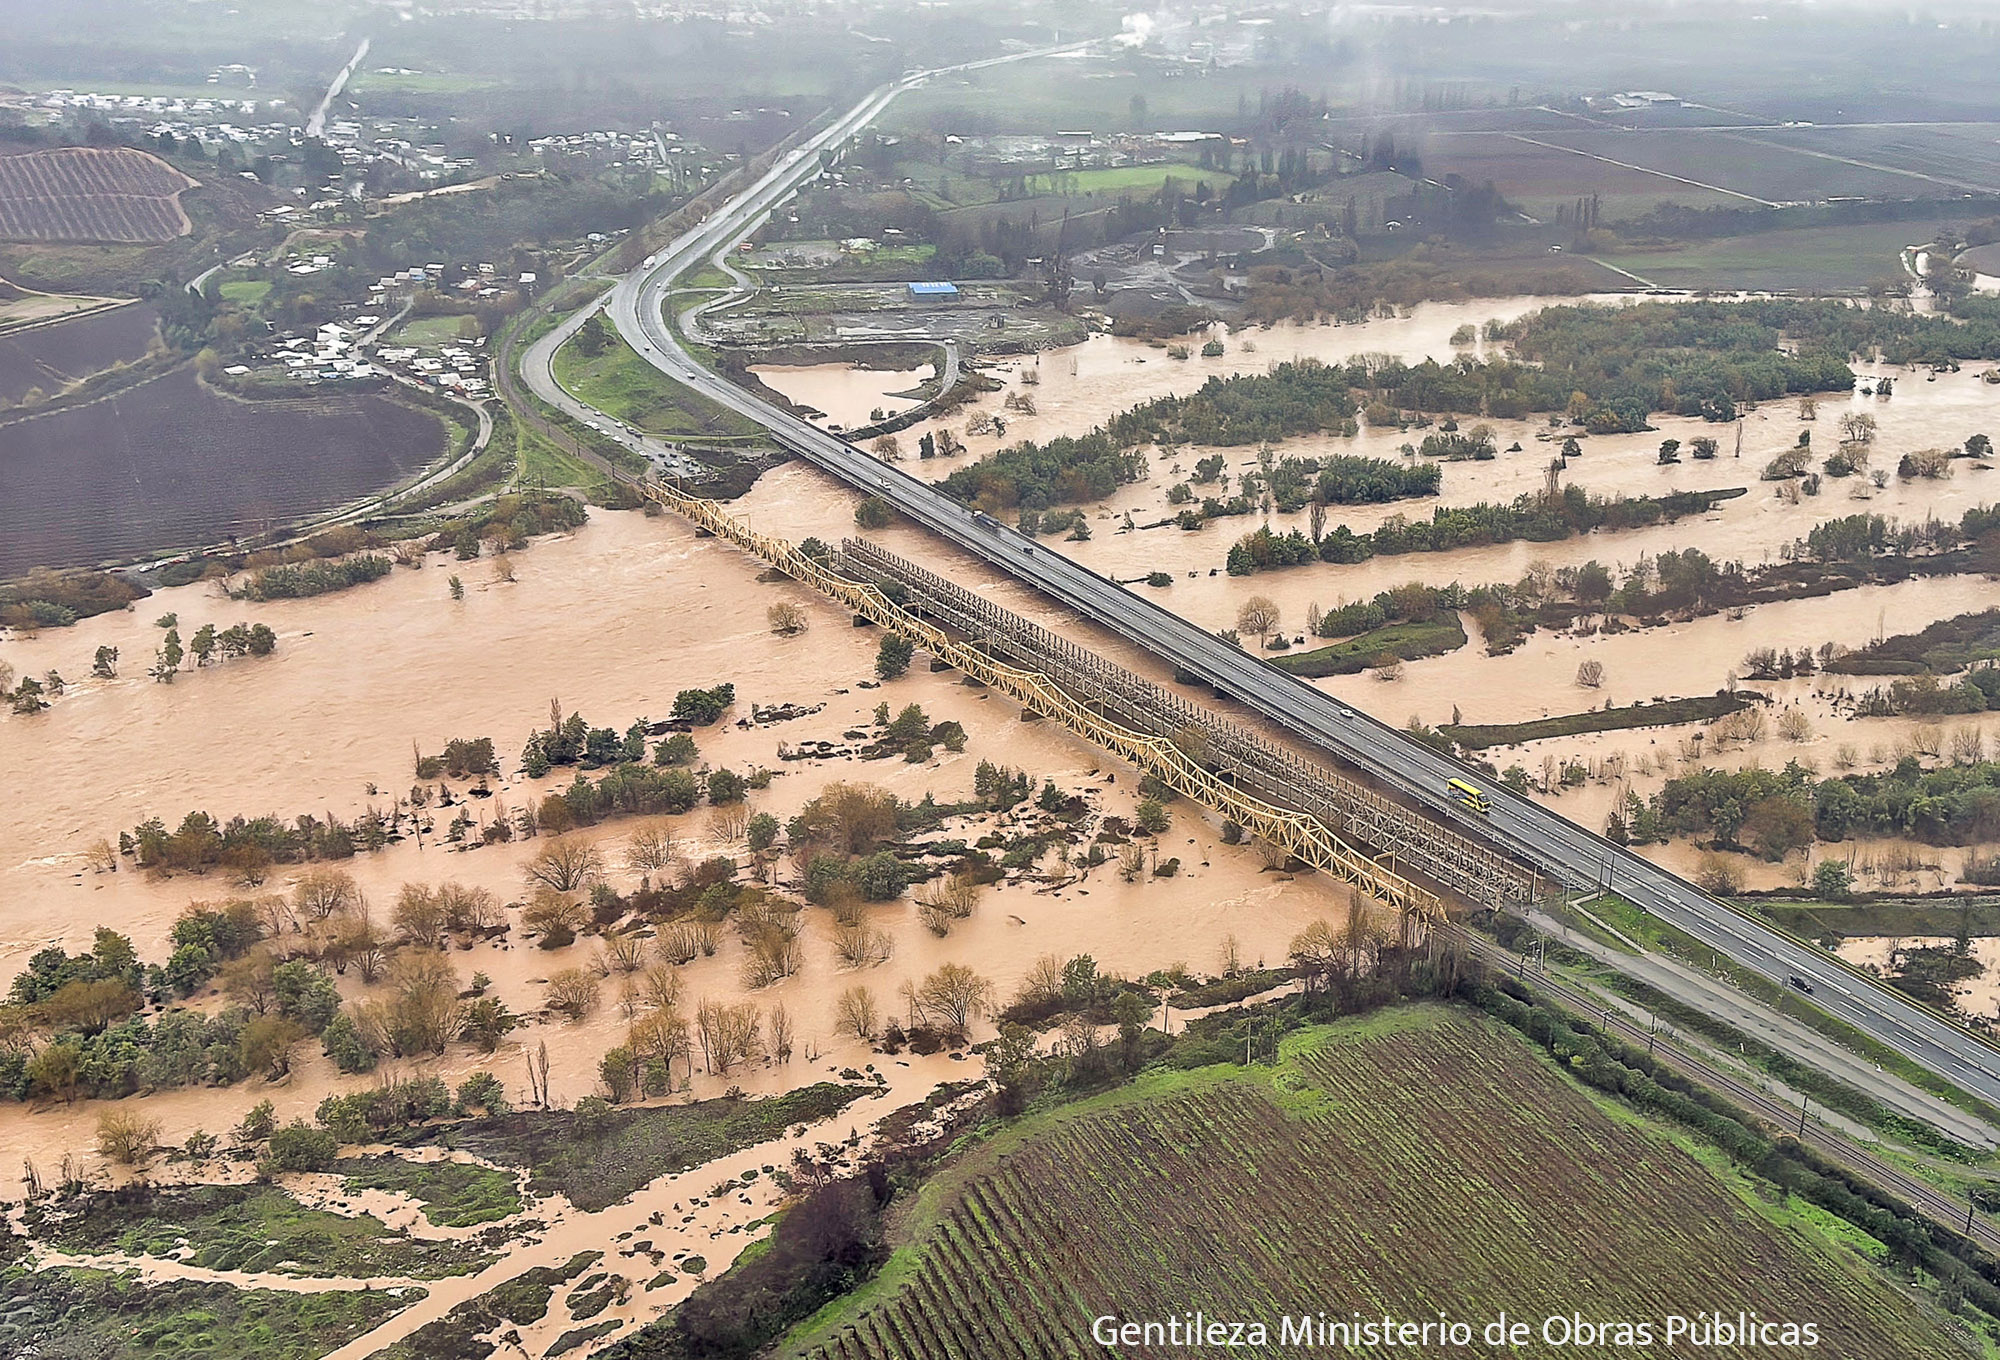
x=1469, y=796
x=1799, y=984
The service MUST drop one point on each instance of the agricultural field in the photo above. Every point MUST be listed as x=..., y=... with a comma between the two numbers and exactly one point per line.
x=1953, y=155
x=1844, y=259
x=171, y=463
x=1749, y=165
x=1540, y=178
x=51, y=357
x=1414, y=1162
x=113, y=195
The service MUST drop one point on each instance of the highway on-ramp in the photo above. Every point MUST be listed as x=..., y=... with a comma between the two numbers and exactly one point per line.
x=1407, y=767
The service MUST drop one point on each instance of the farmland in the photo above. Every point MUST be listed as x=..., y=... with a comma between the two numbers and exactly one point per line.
x=171, y=463
x=1411, y=1163
x=96, y=194
x=1843, y=259
x=1542, y=178
x=1746, y=164
x=50, y=357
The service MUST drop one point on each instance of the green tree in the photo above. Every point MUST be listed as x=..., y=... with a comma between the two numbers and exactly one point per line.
x=457, y=588
x=105, y=667
x=1151, y=817
x=873, y=513
x=892, y=658
x=1833, y=880
x=202, y=645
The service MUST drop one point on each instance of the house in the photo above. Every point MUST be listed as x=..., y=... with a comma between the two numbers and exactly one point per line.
x=933, y=292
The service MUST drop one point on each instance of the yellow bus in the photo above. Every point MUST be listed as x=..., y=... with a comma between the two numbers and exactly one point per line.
x=1469, y=796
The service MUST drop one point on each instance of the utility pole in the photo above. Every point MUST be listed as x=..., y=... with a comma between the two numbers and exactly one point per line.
x=1803, y=1105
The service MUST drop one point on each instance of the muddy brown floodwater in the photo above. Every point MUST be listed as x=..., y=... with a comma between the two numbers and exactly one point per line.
x=613, y=620
x=846, y=396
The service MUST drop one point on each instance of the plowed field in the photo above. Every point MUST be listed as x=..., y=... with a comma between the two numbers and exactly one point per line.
x=168, y=464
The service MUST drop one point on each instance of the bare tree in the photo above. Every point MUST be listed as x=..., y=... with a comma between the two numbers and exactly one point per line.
x=468, y=908
x=554, y=917
x=1794, y=725
x=855, y=1013
x=728, y=1034
x=419, y=916
x=573, y=992
x=858, y=946
x=1258, y=615
x=320, y=893
x=786, y=619
x=566, y=864
x=422, y=1014
x=622, y=954
x=650, y=848
x=1718, y=874
x=952, y=997
x=1590, y=674
x=781, y=1033
x=728, y=822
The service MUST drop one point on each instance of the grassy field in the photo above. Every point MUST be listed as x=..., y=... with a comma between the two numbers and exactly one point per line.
x=622, y=384
x=1139, y=181
x=249, y=292
x=1667, y=714
x=454, y=1194
x=598, y=1165
x=1413, y=1162
x=67, y=1314
x=259, y=1228
x=1813, y=260
x=428, y=331
x=1408, y=641
x=1980, y=916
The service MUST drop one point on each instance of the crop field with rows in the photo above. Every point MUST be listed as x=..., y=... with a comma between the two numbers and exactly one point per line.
x=1418, y=1163
x=113, y=195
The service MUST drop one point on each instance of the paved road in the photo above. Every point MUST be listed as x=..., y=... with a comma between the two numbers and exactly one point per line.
x=1776, y=1030
x=1416, y=772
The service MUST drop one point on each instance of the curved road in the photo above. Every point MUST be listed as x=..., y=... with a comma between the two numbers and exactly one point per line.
x=1418, y=773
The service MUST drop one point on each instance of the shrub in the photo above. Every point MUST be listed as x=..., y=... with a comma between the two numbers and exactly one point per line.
x=299, y=1147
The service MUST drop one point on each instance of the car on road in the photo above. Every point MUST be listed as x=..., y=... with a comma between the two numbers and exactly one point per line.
x=1799, y=984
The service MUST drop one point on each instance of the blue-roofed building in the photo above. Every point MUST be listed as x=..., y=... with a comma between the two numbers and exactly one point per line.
x=934, y=292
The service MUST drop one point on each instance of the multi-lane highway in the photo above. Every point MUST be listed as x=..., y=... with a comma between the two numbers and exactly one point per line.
x=1407, y=767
